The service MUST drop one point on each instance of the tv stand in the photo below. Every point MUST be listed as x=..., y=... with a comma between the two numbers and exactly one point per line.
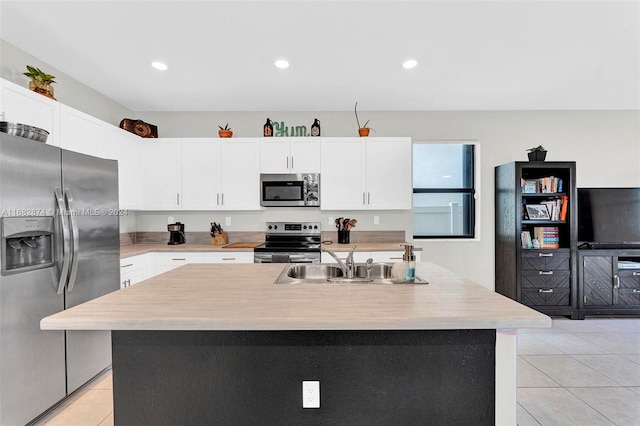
x=608, y=281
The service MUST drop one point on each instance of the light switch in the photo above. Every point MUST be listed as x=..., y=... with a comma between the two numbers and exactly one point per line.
x=227, y=220
x=376, y=220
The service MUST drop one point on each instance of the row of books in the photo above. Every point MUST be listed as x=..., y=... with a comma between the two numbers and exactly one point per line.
x=544, y=237
x=543, y=185
x=553, y=209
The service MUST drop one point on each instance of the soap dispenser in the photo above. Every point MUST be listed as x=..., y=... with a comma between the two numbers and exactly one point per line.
x=409, y=259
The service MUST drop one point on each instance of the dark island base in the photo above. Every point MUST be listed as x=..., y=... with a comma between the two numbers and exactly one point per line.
x=255, y=378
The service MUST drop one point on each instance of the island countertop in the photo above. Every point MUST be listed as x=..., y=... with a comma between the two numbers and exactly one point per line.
x=244, y=297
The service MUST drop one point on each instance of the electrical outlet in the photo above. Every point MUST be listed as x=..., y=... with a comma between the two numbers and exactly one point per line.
x=169, y=220
x=310, y=394
x=331, y=221
x=227, y=220
x=376, y=220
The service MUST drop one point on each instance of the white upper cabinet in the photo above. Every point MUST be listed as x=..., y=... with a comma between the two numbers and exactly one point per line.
x=366, y=173
x=240, y=174
x=21, y=105
x=81, y=132
x=201, y=174
x=125, y=147
x=290, y=155
x=161, y=174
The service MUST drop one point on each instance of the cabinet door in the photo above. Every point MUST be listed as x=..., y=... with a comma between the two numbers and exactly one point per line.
x=161, y=165
x=81, y=132
x=342, y=179
x=124, y=147
x=304, y=155
x=274, y=155
x=389, y=178
x=200, y=173
x=240, y=174
x=629, y=289
x=597, y=280
x=21, y=105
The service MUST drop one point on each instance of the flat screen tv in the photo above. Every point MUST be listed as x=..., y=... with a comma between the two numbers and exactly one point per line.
x=609, y=217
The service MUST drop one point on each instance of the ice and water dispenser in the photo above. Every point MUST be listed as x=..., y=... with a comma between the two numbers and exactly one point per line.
x=27, y=243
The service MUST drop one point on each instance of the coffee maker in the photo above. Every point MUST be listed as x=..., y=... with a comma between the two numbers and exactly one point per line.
x=176, y=233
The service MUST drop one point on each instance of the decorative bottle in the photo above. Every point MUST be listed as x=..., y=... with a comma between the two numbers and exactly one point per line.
x=267, y=130
x=315, y=127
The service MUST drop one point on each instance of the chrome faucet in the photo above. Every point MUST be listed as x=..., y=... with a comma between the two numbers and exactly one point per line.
x=348, y=268
x=368, y=268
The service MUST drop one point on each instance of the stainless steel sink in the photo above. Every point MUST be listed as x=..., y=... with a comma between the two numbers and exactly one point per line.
x=319, y=273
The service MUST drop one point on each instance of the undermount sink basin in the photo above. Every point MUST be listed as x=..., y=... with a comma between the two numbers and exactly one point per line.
x=319, y=273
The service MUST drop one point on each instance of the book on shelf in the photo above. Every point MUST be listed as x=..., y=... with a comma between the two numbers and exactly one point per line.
x=557, y=208
x=525, y=240
x=543, y=185
x=547, y=236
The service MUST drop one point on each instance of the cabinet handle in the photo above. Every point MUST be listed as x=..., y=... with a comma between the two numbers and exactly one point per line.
x=545, y=254
x=545, y=290
x=292, y=162
x=635, y=290
x=635, y=274
x=178, y=259
x=217, y=199
x=545, y=272
x=222, y=198
x=368, y=198
x=178, y=198
x=287, y=162
x=363, y=199
x=394, y=258
x=616, y=281
x=126, y=266
x=228, y=258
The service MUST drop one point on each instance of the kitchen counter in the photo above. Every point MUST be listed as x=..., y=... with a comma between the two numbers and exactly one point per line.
x=382, y=354
x=136, y=249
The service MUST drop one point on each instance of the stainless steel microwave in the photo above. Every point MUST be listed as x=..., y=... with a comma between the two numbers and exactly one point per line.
x=290, y=190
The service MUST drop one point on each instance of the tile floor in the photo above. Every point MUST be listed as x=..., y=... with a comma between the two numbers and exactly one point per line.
x=575, y=373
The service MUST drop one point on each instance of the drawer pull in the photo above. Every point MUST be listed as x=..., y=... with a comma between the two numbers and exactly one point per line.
x=636, y=274
x=545, y=290
x=394, y=258
x=126, y=266
x=635, y=290
x=178, y=259
x=228, y=258
x=545, y=254
x=545, y=272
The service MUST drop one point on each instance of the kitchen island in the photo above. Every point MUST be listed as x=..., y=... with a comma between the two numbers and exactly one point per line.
x=222, y=344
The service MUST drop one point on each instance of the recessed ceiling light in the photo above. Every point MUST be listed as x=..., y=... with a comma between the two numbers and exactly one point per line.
x=409, y=63
x=282, y=64
x=159, y=65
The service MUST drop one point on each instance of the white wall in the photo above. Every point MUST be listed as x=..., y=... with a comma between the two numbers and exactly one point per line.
x=605, y=145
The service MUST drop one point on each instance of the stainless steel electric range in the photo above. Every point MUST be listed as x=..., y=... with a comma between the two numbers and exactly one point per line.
x=290, y=242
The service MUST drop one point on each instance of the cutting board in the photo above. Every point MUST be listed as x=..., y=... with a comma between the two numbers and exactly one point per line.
x=243, y=245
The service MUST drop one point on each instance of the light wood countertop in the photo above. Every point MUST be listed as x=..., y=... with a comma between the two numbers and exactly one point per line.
x=244, y=297
x=136, y=249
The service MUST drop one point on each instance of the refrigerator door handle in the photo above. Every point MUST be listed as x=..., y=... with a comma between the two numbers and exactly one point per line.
x=76, y=238
x=66, y=241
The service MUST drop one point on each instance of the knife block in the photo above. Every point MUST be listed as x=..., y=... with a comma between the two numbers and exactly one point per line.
x=219, y=239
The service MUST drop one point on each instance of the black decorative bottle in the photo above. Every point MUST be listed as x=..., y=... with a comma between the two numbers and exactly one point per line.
x=267, y=130
x=315, y=127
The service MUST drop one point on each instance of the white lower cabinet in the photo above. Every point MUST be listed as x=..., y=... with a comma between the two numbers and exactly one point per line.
x=166, y=261
x=229, y=257
x=135, y=269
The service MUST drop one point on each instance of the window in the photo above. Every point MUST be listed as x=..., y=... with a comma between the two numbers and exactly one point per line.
x=443, y=190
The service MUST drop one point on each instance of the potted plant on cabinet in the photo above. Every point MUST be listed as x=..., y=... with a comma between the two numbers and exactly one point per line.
x=362, y=130
x=537, y=153
x=225, y=132
x=40, y=81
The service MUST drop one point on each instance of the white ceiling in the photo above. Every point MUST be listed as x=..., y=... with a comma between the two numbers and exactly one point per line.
x=472, y=55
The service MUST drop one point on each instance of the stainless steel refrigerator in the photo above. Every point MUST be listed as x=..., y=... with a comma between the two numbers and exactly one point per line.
x=59, y=248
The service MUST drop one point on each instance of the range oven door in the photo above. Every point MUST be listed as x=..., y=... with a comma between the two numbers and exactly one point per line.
x=283, y=257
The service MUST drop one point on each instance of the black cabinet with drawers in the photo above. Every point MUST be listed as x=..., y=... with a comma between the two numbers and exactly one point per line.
x=541, y=273
x=608, y=282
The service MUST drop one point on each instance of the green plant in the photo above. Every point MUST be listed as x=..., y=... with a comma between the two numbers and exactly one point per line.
x=538, y=148
x=226, y=127
x=39, y=78
x=358, y=121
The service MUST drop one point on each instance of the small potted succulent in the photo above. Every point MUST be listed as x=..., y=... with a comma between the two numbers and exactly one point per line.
x=225, y=132
x=40, y=81
x=363, y=130
x=537, y=153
